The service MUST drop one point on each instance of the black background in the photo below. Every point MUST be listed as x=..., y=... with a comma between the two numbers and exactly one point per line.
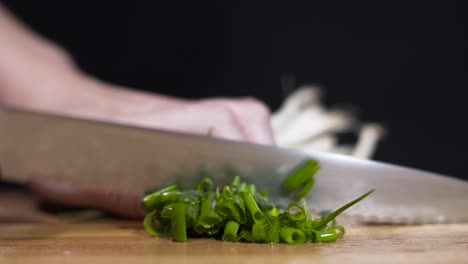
x=401, y=63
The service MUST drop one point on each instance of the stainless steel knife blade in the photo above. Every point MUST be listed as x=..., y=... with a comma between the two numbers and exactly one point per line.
x=44, y=147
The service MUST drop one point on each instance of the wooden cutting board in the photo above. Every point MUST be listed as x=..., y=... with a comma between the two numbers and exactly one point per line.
x=28, y=235
x=113, y=241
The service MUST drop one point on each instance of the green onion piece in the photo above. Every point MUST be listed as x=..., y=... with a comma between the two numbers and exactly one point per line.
x=151, y=191
x=264, y=194
x=171, y=197
x=238, y=208
x=292, y=235
x=212, y=231
x=148, y=224
x=307, y=225
x=208, y=218
x=263, y=203
x=192, y=210
x=257, y=215
x=206, y=185
x=307, y=186
x=301, y=215
x=274, y=212
x=341, y=230
x=235, y=181
x=332, y=216
x=151, y=201
x=252, y=190
x=246, y=235
x=272, y=234
x=230, y=231
x=217, y=194
x=167, y=211
x=242, y=187
x=327, y=235
x=230, y=206
x=301, y=176
x=229, y=210
x=178, y=228
x=258, y=232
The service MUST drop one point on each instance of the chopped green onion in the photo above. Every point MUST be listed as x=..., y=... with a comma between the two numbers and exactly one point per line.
x=208, y=218
x=235, y=181
x=192, y=210
x=258, y=232
x=307, y=186
x=292, y=235
x=205, y=185
x=263, y=203
x=148, y=224
x=152, y=201
x=301, y=215
x=242, y=187
x=179, y=231
x=167, y=211
x=230, y=231
x=238, y=212
x=246, y=235
x=252, y=190
x=272, y=234
x=257, y=214
x=301, y=175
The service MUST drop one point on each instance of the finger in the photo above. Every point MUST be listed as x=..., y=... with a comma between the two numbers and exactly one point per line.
x=123, y=204
x=254, y=118
x=198, y=118
x=228, y=131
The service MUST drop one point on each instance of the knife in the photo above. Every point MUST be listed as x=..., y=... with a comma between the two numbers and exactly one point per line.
x=52, y=148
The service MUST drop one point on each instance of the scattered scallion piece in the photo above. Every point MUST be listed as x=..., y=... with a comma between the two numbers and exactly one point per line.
x=230, y=231
x=179, y=231
x=237, y=212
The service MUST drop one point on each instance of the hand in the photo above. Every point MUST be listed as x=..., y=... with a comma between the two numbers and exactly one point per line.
x=244, y=119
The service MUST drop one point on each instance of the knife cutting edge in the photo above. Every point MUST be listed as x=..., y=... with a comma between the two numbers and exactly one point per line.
x=37, y=146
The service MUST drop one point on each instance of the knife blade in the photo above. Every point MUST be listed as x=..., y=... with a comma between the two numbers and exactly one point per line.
x=52, y=148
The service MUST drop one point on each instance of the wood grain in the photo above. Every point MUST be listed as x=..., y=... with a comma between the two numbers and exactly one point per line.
x=28, y=235
x=112, y=241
